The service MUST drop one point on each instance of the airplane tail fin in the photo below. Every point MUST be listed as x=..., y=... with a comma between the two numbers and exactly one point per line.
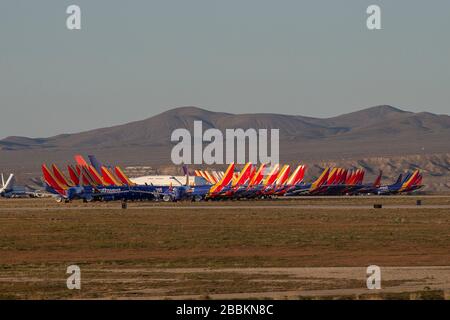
x=399, y=179
x=52, y=181
x=243, y=175
x=85, y=176
x=377, y=182
x=258, y=176
x=349, y=177
x=283, y=175
x=353, y=177
x=73, y=174
x=202, y=174
x=80, y=160
x=341, y=176
x=225, y=180
x=109, y=177
x=216, y=175
x=95, y=163
x=407, y=176
x=6, y=184
x=301, y=175
x=211, y=177
x=419, y=180
x=332, y=175
x=321, y=180
x=123, y=177
x=60, y=176
x=410, y=181
x=294, y=176
x=344, y=176
x=361, y=177
x=187, y=172
x=97, y=176
x=416, y=180
x=272, y=175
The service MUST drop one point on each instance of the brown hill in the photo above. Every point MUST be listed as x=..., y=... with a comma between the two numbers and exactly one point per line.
x=381, y=131
x=376, y=123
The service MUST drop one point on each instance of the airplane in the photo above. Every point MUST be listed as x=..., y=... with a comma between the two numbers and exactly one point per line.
x=221, y=186
x=249, y=183
x=341, y=182
x=9, y=189
x=96, y=182
x=309, y=188
x=295, y=179
x=253, y=188
x=411, y=182
x=87, y=184
x=89, y=192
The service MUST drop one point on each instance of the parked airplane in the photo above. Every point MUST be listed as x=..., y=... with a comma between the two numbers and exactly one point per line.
x=411, y=182
x=96, y=181
x=309, y=188
x=94, y=192
x=88, y=184
x=341, y=181
x=9, y=189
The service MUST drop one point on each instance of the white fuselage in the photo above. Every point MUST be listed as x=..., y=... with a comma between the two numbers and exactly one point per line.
x=168, y=180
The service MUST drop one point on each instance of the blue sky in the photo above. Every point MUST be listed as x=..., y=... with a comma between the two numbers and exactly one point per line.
x=132, y=60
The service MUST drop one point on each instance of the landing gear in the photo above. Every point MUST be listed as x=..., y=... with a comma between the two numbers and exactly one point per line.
x=86, y=200
x=61, y=200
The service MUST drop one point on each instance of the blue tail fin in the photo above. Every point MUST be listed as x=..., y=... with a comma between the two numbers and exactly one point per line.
x=187, y=172
x=408, y=175
x=399, y=180
x=95, y=163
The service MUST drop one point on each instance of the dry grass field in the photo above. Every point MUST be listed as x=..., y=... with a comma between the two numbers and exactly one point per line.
x=278, y=249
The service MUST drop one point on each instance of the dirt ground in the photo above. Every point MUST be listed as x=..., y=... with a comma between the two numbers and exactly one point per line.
x=285, y=249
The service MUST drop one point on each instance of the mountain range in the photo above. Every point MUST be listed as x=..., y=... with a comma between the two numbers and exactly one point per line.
x=380, y=131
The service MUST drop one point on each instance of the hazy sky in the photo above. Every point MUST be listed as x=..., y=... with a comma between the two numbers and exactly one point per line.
x=134, y=59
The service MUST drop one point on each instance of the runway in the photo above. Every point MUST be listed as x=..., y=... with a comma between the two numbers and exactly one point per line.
x=427, y=196
x=229, y=207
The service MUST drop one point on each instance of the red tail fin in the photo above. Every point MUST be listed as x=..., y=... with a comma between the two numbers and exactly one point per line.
x=109, y=177
x=52, y=181
x=85, y=176
x=321, y=180
x=96, y=176
x=283, y=175
x=332, y=176
x=80, y=160
x=377, y=182
x=225, y=180
x=123, y=177
x=243, y=175
x=272, y=175
x=301, y=175
x=60, y=176
x=258, y=176
x=73, y=175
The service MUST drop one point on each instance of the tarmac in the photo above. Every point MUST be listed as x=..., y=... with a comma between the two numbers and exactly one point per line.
x=228, y=207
